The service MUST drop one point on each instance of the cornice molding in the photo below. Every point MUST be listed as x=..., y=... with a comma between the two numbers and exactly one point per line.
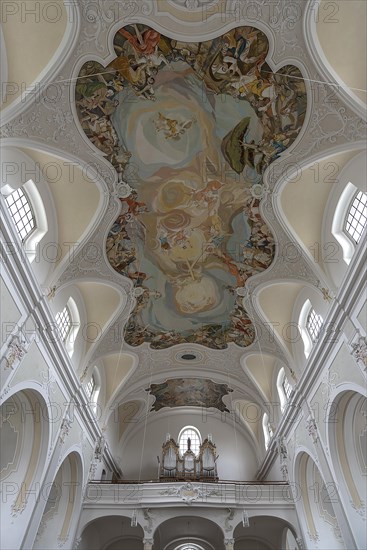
x=349, y=293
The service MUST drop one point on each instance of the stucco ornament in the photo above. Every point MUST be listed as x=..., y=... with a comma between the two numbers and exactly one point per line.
x=15, y=353
x=188, y=493
x=312, y=429
x=359, y=350
x=193, y=4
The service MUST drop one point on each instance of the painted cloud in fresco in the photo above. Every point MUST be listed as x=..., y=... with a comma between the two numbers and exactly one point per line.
x=191, y=127
x=185, y=392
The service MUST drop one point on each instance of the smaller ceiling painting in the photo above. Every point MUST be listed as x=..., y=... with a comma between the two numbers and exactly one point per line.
x=189, y=392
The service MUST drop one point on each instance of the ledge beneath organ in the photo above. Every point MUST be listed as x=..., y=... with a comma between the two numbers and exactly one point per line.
x=174, y=466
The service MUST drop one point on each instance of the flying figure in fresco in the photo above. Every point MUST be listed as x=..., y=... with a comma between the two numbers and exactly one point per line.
x=163, y=107
x=171, y=128
x=143, y=43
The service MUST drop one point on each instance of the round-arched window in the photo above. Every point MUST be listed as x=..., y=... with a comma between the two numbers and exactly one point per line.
x=189, y=546
x=356, y=219
x=21, y=212
x=192, y=433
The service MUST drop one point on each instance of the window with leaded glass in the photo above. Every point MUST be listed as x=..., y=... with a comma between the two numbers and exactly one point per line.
x=21, y=212
x=356, y=219
x=63, y=320
x=314, y=324
x=195, y=439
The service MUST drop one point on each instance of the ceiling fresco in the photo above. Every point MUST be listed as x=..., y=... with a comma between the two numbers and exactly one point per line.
x=190, y=129
x=185, y=392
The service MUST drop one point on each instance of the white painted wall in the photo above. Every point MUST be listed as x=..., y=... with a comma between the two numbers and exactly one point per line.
x=236, y=456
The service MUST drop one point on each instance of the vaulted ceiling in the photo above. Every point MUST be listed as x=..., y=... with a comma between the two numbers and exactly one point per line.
x=189, y=128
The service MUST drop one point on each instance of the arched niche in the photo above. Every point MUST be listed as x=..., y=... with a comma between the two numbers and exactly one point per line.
x=112, y=533
x=303, y=202
x=276, y=303
x=289, y=540
x=102, y=302
x=24, y=436
x=346, y=64
x=260, y=367
x=315, y=505
x=251, y=414
x=352, y=178
x=98, y=305
x=115, y=369
x=37, y=38
x=263, y=533
x=66, y=199
x=347, y=435
x=62, y=507
x=196, y=529
x=75, y=343
x=20, y=171
x=310, y=298
x=122, y=417
x=77, y=202
x=265, y=371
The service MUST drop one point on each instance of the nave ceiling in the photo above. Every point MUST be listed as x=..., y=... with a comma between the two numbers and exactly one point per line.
x=166, y=285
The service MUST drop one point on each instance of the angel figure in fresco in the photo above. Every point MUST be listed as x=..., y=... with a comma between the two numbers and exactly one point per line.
x=244, y=46
x=267, y=110
x=143, y=43
x=153, y=60
x=119, y=158
x=171, y=128
x=148, y=91
x=228, y=66
x=207, y=196
x=124, y=66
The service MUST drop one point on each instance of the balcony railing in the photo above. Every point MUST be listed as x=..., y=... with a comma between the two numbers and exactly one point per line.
x=148, y=493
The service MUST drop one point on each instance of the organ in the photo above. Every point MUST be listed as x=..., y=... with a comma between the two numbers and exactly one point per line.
x=188, y=466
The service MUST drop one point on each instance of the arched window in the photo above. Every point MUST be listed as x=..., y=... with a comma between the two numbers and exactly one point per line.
x=310, y=324
x=92, y=389
x=284, y=388
x=356, y=218
x=68, y=323
x=287, y=388
x=21, y=212
x=64, y=323
x=349, y=211
x=28, y=213
x=195, y=439
x=189, y=546
x=314, y=324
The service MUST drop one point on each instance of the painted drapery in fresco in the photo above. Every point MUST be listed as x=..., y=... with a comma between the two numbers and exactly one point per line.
x=190, y=129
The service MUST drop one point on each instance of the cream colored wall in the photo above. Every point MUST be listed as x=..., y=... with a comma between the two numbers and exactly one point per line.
x=252, y=416
x=9, y=306
x=277, y=302
x=304, y=202
x=101, y=302
x=117, y=367
x=75, y=196
x=31, y=39
x=261, y=369
x=341, y=30
x=362, y=315
x=142, y=446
